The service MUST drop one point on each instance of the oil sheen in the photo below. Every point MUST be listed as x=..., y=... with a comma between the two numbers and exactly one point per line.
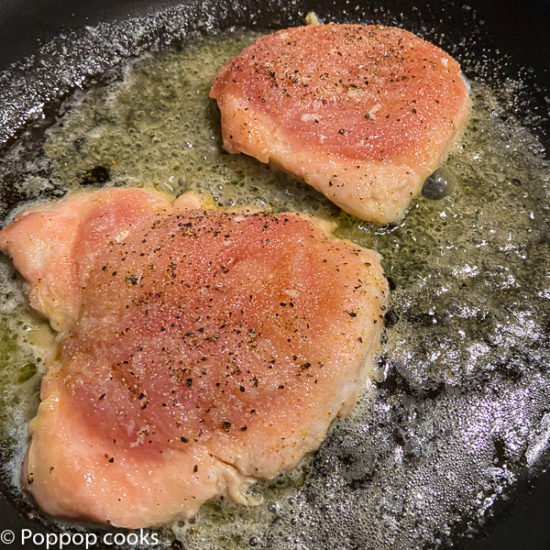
x=452, y=417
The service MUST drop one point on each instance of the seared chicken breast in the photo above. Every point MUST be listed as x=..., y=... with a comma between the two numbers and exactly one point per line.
x=362, y=113
x=199, y=350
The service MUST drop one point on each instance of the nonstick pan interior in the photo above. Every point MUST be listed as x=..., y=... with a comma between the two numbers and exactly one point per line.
x=493, y=42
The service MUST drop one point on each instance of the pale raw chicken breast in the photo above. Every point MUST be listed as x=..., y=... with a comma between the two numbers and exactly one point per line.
x=362, y=113
x=199, y=350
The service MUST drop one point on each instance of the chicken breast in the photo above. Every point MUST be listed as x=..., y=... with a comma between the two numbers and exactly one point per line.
x=362, y=113
x=199, y=350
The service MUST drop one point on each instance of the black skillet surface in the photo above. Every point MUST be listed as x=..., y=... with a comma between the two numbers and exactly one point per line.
x=517, y=30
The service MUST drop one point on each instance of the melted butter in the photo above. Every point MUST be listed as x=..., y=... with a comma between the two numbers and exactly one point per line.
x=158, y=128
x=471, y=289
x=26, y=341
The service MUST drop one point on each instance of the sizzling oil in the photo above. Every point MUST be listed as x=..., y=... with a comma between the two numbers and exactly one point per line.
x=469, y=309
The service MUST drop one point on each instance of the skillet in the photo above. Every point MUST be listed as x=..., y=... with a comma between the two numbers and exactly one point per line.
x=492, y=41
